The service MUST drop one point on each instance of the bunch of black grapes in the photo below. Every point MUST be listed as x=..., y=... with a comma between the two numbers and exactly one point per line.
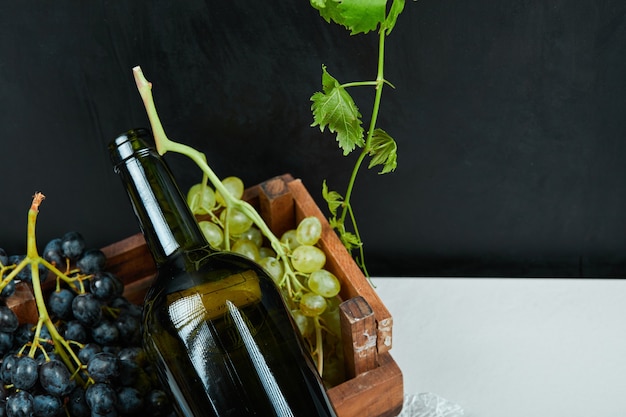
x=103, y=330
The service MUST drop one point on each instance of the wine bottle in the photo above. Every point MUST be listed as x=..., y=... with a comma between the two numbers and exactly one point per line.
x=215, y=325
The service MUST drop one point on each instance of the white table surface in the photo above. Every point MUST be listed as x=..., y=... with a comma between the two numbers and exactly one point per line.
x=512, y=347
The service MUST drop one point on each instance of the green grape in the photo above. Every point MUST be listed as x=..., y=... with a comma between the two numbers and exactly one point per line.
x=274, y=267
x=289, y=238
x=334, y=370
x=309, y=230
x=237, y=220
x=307, y=259
x=254, y=234
x=201, y=199
x=235, y=188
x=212, y=232
x=330, y=316
x=324, y=283
x=247, y=248
x=304, y=323
x=312, y=304
x=266, y=252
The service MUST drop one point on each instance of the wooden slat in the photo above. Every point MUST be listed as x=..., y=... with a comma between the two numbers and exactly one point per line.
x=276, y=205
x=377, y=393
x=358, y=332
x=23, y=304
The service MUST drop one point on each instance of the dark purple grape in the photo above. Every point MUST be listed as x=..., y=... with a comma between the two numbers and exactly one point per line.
x=6, y=369
x=60, y=303
x=53, y=253
x=75, y=331
x=106, y=286
x=101, y=398
x=46, y=405
x=8, y=320
x=103, y=367
x=24, y=373
x=24, y=334
x=129, y=328
x=6, y=342
x=157, y=403
x=105, y=333
x=91, y=261
x=87, y=309
x=132, y=360
x=72, y=245
x=8, y=290
x=76, y=403
x=42, y=358
x=129, y=401
x=88, y=351
x=20, y=404
x=55, y=378
x=134, y=355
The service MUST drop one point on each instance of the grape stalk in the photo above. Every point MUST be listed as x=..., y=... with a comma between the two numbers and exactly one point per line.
x=333, y=107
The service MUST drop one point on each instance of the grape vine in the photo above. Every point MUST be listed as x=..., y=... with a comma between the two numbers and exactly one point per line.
x=334, y=108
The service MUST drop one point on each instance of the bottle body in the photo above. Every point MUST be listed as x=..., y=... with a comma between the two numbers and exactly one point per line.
x=215, y=324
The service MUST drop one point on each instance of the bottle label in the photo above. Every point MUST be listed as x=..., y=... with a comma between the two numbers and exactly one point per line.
x=190, y=310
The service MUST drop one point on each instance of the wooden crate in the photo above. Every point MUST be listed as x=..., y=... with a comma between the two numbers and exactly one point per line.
x=375, y=386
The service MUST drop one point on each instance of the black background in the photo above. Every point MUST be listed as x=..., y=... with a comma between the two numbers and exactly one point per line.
x=509, y=118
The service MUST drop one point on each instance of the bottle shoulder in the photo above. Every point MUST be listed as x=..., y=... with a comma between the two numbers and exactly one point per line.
x=205, y=266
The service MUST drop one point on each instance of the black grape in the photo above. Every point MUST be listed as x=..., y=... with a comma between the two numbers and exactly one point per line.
x=101, y=398
x=87, y=309
x=60, y=303
x=20, y=404
x=91, y=261
x=103, y=367
x=46, y=405
x=24, y=373
x=55, y=378
x=72, y=245
x=53, y=253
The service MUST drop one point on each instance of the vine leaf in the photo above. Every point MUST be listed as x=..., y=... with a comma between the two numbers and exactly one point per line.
x=350, y=240
x=335, y=108
x=383, y=150
x=332, y=198
x=359, y=16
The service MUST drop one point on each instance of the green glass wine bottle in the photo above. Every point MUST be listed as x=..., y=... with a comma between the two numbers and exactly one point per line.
x=215, y=325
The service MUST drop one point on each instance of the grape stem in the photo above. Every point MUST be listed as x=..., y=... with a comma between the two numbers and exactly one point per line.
x=32, y=259
x=164, y=145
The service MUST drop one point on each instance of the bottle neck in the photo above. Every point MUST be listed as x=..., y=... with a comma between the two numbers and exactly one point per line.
x=166, y=221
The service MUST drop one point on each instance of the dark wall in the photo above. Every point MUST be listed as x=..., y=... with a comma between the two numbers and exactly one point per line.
x=509, y=117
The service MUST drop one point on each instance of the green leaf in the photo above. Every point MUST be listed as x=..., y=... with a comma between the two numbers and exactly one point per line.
x=328, y=9
x=361, y=16
x=383, y=151
x=396, y=8
x=350, y=240
x=333, y=199
x=335, y=108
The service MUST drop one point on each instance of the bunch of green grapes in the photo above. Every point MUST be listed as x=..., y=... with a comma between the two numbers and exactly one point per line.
x=297, y=267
